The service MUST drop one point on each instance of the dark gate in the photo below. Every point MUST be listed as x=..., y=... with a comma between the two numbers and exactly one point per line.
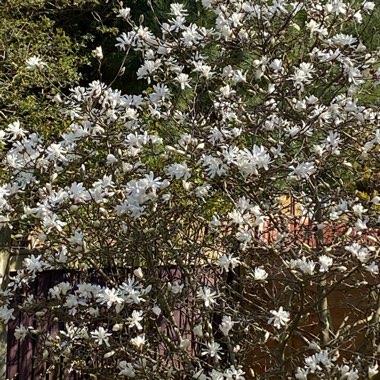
x=21, y=354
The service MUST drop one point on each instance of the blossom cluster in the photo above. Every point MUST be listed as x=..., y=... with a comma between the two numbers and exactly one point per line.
x=169, y=207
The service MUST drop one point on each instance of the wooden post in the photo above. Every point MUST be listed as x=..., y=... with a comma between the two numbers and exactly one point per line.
x=5, y=239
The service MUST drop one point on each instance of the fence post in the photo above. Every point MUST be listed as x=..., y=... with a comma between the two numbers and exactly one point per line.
x=5, y=239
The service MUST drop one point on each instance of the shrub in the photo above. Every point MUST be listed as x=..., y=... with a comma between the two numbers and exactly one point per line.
x=169, y=205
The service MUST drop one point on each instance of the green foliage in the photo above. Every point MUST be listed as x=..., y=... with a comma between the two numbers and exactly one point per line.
x=63, y=34
x=27, y=95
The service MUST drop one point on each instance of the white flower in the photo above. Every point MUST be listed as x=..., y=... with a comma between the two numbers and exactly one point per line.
x=77, y=238
x=244, y=236
x=368, y=5
x=301, y=374
x=213, y=166
x=303, y=74
x=205, y=70
x=139, y=341
x=178, y=171
x=260, y=274
x=363, y=255
x=14, y=131
x=98, y=53
x=303, y=170
x=306, y=266
x=101, y=336
x=208, y=3
x=21, y=332
x=276, y=65
x=343, y=40
x=78, y=192
x=323, y=358
x=215, y=221
x=216, y=375
x=34, y=264
x=336, y=6
x=372, y=268
x=238, y=76
x=185, y=344
x=334, y=215
x=177, y=9
x=34, y=63
x=139, y=273
x=156, y=310
x=111, y=159
x=117, y=327
x=124, y=13
x=61, y=289
x=175, y=287
x=213, y=349
x=202, y=191
x=226, y=325
x=190, y=35
x=161, y=93
x=135, y=319
x=316, y=28
x=56, y=152
x=280, y=318
x=225, y=262
x=110, y=297
x=197, y=330
x=207, y=295
x=373, y=370
x=358, y=210
x=233, y=373
x=226, y=91
x=74, y=332
x=348, y=374
x=354, y=248
x=6, y=314
x=325, y=263
x=312, y=364
x=183, y=80
x=126, y=369
x=361, y=225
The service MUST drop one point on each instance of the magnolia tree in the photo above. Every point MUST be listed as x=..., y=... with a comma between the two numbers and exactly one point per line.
x=168, y=211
